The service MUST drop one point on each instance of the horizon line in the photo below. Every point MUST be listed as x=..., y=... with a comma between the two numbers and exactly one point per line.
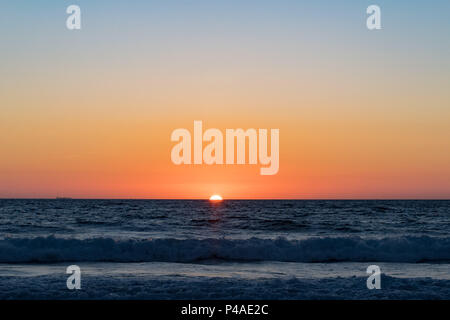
x=232, y=199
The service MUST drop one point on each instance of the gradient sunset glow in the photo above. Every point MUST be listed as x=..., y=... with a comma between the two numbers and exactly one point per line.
x=89, y=113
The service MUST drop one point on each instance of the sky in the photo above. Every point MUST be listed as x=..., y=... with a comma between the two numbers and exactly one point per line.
x=89, y=113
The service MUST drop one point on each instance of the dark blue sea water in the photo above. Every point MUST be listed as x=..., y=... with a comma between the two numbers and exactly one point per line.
x=233, y=249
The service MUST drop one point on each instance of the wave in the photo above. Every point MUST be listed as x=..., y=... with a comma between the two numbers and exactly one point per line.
x=324, y=249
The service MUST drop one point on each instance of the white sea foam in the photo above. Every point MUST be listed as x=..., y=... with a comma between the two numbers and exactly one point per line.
x=108, y=287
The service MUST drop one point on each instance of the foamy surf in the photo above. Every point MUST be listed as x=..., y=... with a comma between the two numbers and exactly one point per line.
x=138, y=287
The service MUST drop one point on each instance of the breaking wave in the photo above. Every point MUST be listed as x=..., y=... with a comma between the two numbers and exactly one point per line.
x=324, y=249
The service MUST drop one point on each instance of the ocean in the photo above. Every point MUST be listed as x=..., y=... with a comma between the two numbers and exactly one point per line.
x=235, y=249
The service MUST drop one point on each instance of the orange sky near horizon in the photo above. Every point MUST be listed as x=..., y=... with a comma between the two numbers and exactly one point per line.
x=361, y=115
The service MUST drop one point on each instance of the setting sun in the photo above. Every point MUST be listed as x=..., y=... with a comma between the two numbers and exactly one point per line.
x=215, y=197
